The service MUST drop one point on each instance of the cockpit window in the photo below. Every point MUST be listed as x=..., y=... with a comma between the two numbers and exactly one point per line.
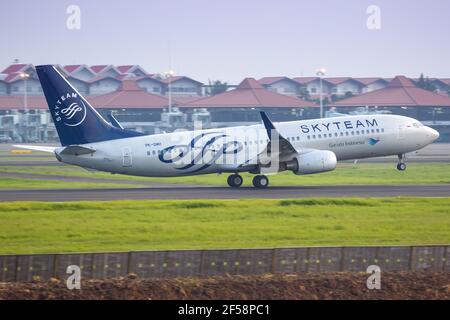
x=417, y=125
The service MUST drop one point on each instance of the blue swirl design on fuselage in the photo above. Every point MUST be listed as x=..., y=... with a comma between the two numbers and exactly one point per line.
x=231, y=147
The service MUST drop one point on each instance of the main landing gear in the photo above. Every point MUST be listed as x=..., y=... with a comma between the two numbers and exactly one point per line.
x=259, y=181
x=235, y=181
x=401, y=165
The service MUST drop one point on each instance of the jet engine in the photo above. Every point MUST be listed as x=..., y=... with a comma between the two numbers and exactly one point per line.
x=313, y=162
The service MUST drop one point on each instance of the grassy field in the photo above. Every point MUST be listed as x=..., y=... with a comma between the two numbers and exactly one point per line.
x=345, y=174
x=23, y=183
x=36, y=227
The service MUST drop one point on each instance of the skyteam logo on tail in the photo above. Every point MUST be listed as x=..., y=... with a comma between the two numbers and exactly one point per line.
x=373, y=141
x=70, y=109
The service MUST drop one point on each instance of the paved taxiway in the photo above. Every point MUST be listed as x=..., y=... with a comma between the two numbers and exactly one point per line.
x=207, y=192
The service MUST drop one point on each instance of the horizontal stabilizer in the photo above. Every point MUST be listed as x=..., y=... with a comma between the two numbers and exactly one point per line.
x=36, y=148
x=77, y=150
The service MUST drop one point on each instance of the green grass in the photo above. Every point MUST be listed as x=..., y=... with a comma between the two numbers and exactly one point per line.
x=40, y=227
x=345, y=174
x=19, y=183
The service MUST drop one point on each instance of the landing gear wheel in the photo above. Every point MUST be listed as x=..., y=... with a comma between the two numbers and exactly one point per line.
x=234, y=180
x=260, y=181
x=401, y=166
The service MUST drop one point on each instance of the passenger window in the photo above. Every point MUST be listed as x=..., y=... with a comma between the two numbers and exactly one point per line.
x=378, y=130
x=308, y=137
x=319, y=136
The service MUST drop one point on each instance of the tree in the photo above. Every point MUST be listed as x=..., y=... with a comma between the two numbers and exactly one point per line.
x=216, y=87
x=304, y=93
x=425, y=83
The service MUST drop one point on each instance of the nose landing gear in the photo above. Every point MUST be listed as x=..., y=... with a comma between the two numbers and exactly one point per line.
x=401, y=165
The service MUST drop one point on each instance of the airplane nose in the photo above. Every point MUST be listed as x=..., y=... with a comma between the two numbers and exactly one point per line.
x=433, y=134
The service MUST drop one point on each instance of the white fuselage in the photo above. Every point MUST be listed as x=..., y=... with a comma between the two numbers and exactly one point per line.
x=226, y=149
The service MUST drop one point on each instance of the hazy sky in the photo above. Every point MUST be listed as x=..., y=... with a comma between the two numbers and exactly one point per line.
x=233, y=39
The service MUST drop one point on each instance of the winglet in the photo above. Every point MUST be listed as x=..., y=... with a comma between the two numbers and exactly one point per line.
x=267, y=123
x=114, y=121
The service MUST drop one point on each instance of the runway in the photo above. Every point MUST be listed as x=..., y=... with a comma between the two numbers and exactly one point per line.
x=207, y=192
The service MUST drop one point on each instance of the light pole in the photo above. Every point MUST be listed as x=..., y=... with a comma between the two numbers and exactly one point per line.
x=320, y=73
x=170, y=74
x=24, y=76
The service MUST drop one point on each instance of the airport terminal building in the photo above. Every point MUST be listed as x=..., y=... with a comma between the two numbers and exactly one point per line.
x=152, y=103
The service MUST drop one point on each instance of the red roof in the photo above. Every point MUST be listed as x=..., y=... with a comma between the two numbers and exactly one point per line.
x=17, y=102
x=305, y=80
x=148, y=77
x=11, y=77
x=124, y=69
x=98, y=68
x=71, y=68
x=129, y=96
x=272, y=80
x=400, y=92
x=184, y=101
x=369, y=80
x=249, y=93
x=99, y=78
x=176, y=78
x=337, y=80
x=14, y=68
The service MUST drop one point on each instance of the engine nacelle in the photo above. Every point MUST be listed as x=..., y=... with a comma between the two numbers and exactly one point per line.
x=313, y=162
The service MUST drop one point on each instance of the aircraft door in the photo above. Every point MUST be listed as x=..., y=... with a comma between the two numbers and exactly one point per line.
x=127, y=157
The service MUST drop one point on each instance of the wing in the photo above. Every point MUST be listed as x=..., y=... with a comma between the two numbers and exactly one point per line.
x=278, y=145
x=278, y=148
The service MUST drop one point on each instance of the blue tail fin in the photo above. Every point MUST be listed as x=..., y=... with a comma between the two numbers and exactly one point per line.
x=76, y=121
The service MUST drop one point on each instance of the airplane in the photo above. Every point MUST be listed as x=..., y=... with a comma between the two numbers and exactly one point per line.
x=303, y=147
